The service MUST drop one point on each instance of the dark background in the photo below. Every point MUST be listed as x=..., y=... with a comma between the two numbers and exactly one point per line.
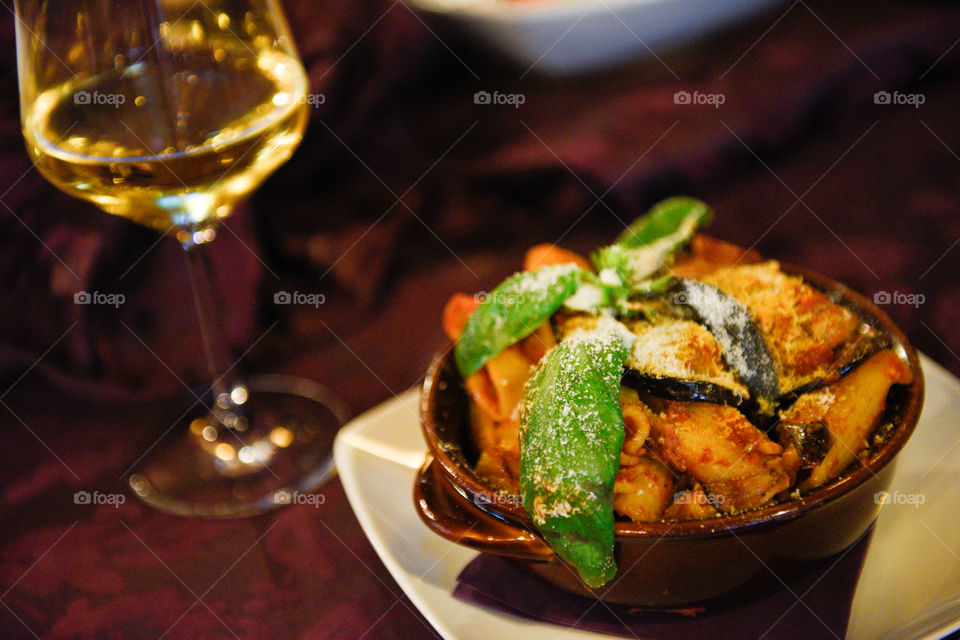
x=403, y=192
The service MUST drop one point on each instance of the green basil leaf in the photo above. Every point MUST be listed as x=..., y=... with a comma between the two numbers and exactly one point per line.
x=571, y=432
x=666, y=218
x=512, y=311
x=650, y=244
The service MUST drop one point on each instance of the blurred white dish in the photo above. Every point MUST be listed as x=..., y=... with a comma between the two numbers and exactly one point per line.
x=572, y=36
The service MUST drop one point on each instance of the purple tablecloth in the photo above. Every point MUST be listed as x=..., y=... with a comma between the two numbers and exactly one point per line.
x=405, y=191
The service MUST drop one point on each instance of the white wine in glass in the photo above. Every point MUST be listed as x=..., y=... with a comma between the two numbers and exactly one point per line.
x=167, y=112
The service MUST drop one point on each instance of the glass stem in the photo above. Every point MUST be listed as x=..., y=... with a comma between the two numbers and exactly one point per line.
x=228, y=390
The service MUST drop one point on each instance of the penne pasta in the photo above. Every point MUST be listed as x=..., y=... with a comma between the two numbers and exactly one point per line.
x=643, y=490
x=736, y=462
x=851, y=408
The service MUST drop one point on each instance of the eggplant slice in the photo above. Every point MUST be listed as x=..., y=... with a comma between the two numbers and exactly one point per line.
x=744, y=346
x=810, y=439
x=869, y=341
x=678, y=389
x=681, y=360
x=813, y=340
x=673, y=358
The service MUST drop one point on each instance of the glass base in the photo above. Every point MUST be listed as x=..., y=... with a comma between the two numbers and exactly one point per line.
x=278, y=452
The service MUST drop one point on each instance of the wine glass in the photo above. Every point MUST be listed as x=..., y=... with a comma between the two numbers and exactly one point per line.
x=167, y=112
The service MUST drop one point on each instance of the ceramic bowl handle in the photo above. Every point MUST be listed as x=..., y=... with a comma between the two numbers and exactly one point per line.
x=459, y=520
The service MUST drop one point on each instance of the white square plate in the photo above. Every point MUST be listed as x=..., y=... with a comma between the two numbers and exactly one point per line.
x=909, y=586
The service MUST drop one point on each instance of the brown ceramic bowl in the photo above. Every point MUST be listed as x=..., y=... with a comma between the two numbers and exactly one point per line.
x=661, y=564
